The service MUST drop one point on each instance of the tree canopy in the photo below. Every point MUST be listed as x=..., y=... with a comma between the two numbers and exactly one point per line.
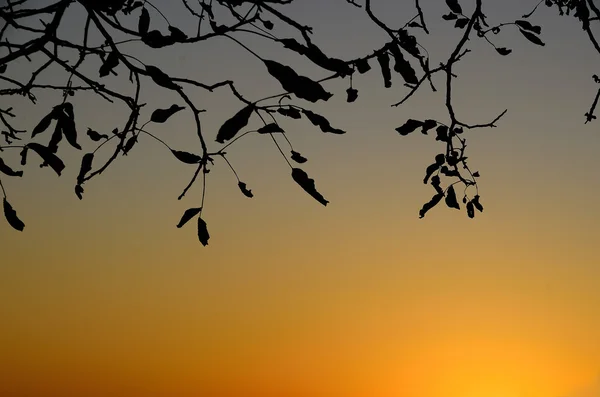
x=100, y=60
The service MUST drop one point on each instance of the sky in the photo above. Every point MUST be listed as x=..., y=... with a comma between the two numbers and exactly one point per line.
x=106, y=297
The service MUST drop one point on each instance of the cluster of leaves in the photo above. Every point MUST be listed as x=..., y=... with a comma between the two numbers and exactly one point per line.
x=246, y=17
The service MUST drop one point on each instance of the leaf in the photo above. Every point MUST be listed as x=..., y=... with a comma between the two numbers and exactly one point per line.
x=11, y=216
x=442, y=133
x=23, y=155
x=525, y=25
x=177, y=34
x=86, y=166
x=429, y=171
x=470, y=209
x=427, y=125
x=203, y=235
x=317, y=56
x=290, y=112
x=69, y=131
x=270, y=129
x=436, y=183
x=321, y=122
x=503, y=51
x=429, y=205
x=408, y=127
x=185, y=157
x=144, y=22
x=96, y=136
x=160, y=78
x=267, y=24
x=352, y=95
x=298, y=158
x=362, y=65
x=454, y=6
x=5, y=169
x=129, y=144
x=49, y=158
x=111, y=61
x=451, y=198
x=156, y=39
x=187, y=215
x=531, y=37
x=2, y=68
x=461, y=23
x=79, y=191
x=231, y=127
x=162, y=115
x=308, y=185
x=44, y=123
x=476, y=174
x=384, y=65
x=247, y=192
x=301, y=86
x=402, y=66
x=477, y=204
x=449, y=17
x=408, y=43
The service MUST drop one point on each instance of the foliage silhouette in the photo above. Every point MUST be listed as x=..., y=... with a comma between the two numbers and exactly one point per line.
x=256, y=18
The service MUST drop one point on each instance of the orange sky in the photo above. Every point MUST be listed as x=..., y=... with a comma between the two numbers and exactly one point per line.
x=105, y=297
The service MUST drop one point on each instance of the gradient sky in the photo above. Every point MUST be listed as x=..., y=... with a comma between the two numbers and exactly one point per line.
x=105, y=297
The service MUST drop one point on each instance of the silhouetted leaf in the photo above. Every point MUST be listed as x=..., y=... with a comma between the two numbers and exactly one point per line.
x=187, y=216
x=156, y=39
x=461, y=23
x=247, y=192
x=321, y=122
x=79, y=191
x=268, y=24
x=449, y=17
x=408, y=43
x=23, y=155
x=111, y=61
x=442, y=133
x=436, y=183
x=429, y=171
x=429, y=205
x=177, y=34
x=5, y=169
x=44, y=123
x=362, y=65
x=290, y=112
x=298, y=158
x=2, y=68
x=315, y=54
x=352, y=95
x=384, y=64
x=503, y=51
x=454, y=6
x=203, y=235
x=427, y=125
x=448, y=172
x=301, y=86
x=477, y=204
x=525, y=25
x=408, y=127
x=162, y=115
x=129, y=144
x=69, y=131
x=49, y=158
x=476, y=174
x=470, y=209
x=451, y=198
x=531, y=37
x=402, y=66
x=185, y=157
x=231, y=127
x=160, y=78
x=86, y=166
x=270, y=129
x=144, y=22
x=308, y=185
x=96, y=136
x=11, y=217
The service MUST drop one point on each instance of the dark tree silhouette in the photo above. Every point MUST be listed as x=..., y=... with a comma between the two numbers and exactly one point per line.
x=101, y=44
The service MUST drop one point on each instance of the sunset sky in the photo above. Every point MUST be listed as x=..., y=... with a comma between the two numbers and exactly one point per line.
x=106, y=297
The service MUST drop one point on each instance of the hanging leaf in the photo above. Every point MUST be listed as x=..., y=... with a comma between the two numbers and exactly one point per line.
x=477, y=204
x=525, y=25
x=427, y=125
x=402, y=66
x=442, y=133
x=96, y=136
x=476, y=174
x=2, y=68
x=79, y=191
x=247, y=192
x=308, y=185
x=267, y=24
x=298, y=158
x=290, y=112
x=449, y=17
x=86, y=166
x=5, y=169
x=69, y=131
x=129, y=144
x=144, y=22
x=436, y=183
x=49, y=158
x=185, y=157
x=362, y=65
x=352, y=95
x=470, y=209
x=451, y=198
x=231, y=127
x=187, y=216
x=203, y=235
x=44, y=123
x=432, y=203
x=162, y=115
x=23, y=155
x=503, y=51
x=317, y=56
x=11, y=216
x=321, y=122
x=531, y=37
x=408, y=43
x=461, y=23
x=160, y=77
x=454, y=6
x=301, y=86
x=408, y=127
x=156, y=39
x=111, y=62
x=384, y=64
x=270, y=129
